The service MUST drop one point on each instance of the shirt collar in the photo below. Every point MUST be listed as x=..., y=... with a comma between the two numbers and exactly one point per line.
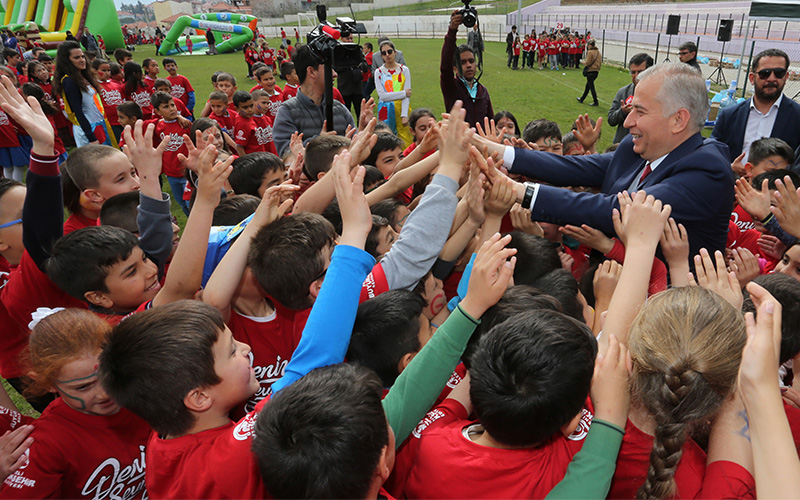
x=655, y=163
x=776, y=104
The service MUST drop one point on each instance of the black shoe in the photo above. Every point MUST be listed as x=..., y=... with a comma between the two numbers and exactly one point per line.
x=579, y=100
x=595, y=103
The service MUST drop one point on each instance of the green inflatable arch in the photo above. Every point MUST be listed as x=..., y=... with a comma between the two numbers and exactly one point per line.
x=240, y=26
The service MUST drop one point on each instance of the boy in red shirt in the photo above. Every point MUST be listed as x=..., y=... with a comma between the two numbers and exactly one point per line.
x=251, y=134
x=227, y=83
x=163, y=85
x=289, y=74
x=266, y=81
x=170, y=130
x=526, y=51
x=267, y=55
x=263, y=117
x=181, y=87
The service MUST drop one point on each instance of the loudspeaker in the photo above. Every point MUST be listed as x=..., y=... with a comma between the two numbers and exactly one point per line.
x=673, y=24
x=725, y=30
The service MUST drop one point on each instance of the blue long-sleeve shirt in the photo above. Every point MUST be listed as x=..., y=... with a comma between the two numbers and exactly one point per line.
x=326, y=335
x=191, y=102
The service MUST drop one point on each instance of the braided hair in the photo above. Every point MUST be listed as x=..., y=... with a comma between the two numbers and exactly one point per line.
x=686, y=345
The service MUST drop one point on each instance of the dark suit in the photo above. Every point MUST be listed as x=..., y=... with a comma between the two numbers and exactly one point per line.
x=732, y=122
x=695, y=179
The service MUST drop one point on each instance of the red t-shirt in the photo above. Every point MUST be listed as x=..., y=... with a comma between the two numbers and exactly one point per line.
x=552, y=48
x=28, y=288
x=182, y=109
x=268, y=57
x=8, y=133
x=289, y=91
x=226, y=122
x=13, y=338
x=634, y=461
x=445, y=463
x=275, y=101
x=75, y=455
x=111, y=93
x=542, y=45
x=254, y=134
x=77, y=221
x=170, y=165
x=793, y=415
x=272, y=341
x=526, y=45
x=742, y=219
x=141, y=96
x=216, y=463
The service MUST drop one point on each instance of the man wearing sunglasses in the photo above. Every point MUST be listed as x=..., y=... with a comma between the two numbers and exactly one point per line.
x=687, y=53
x=767, y=114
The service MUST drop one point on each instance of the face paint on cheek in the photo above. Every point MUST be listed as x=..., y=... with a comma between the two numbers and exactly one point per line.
x=64, y=393
x=437, y=304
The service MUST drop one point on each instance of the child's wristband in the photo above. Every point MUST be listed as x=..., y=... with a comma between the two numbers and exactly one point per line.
x=768, y=218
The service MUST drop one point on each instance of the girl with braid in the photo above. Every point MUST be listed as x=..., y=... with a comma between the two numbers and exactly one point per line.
x=685, y=344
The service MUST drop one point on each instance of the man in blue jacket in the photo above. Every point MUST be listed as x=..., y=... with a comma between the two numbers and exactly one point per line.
x=768, y=113
x=665, y=155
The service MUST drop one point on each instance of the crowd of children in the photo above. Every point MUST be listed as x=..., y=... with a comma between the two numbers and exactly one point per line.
x=361, y=319
x=554, y=50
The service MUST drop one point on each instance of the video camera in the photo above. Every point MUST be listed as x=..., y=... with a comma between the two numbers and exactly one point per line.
x=469, y=15
x=324, y=40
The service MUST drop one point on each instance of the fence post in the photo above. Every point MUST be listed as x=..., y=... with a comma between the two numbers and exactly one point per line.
x=415, y=30
x=785, y=25
x=705, y=29
x=603, y=50
x=662, y=22
x=769, y=28
x=742, y=24
x=753, y=33
x=749, y=60
x=658, y=42
x=696, y=21
x=625, y=60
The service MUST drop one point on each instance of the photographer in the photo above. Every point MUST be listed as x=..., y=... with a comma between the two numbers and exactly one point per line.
x=463, y=85
x=350, y=81
x=305, y=112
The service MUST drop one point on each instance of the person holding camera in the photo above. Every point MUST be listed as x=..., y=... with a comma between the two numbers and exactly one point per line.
x=463, y=85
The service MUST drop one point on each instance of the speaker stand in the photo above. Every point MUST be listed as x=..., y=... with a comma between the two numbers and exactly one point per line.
x=669, y=45
x=718, y=72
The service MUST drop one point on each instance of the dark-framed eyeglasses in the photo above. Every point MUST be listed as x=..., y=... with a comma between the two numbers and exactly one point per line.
x=764, y=73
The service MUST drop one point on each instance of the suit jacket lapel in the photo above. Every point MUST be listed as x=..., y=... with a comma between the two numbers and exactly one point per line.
x=672, y=158
x=784, y=115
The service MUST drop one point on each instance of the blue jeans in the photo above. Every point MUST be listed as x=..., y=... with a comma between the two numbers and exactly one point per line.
x=177, y=185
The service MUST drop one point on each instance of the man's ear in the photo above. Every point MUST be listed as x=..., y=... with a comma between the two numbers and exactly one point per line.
x=681, y=120
x=99, y=299
x=752, y=78
x=197, y=400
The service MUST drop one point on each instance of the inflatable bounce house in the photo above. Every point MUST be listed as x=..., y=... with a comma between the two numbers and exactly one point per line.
x=238, y=27
x=46, y=22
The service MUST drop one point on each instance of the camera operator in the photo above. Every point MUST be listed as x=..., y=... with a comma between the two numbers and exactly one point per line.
x=350, y=80
x=306, y=111
x=462, y=85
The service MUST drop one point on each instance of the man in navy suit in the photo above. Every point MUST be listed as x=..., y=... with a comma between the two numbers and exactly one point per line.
x=768, y=113
x=664, y=155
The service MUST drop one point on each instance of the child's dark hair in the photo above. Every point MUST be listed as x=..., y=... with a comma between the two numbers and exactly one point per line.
x=32, y=89
x=120, y=54
x=215, y=75
x=508, y=114
x=385, y=330
x=765, y=147
x=203, y=124
x=154, y=358
x=218, y=95
x=320, y=152
x=9, y=53
x=81, y=259
x=333, y=215
x=226, y=77
x=418, y=113
x=115, y=68
x=568, y=140
x=388, y=209
x=234, y=209
x=287, y=257
x=130, y=109
x=257, y=66
x=515, y=300
x=240, y=97
x=159, y=98
x=373, y=238
x=161, y=82
x=773, y=175
x=31, y=68
x=256, y=94
x=133, y=77
x=44, y=57
x=538, y=129
x=373, y=177
x=562, y=285
x=98, y=62
x=536, y=257
x=7, y=184
x=521, y=396
x=121, y=211
x=146, y=63
x=168, y=60
x=786, y=290
x=81, y=172
x=287, y=68
x=262, y=71
x=385, y=142
x=322, y=437
x=249, y=171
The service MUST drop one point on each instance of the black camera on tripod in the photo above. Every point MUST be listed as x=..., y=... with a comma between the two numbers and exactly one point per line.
x=469, y=15
x=324, y=40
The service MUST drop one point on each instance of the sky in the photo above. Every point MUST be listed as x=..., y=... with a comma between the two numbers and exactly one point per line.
x=118, y=3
